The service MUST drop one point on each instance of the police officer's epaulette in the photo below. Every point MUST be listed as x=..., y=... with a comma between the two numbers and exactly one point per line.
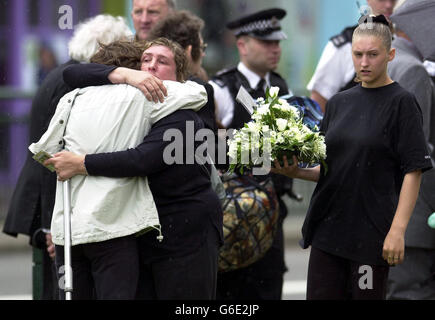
x=344, y=37
x=218, y=78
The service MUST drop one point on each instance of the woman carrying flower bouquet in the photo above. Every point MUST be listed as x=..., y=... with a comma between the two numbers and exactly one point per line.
x=367, y=189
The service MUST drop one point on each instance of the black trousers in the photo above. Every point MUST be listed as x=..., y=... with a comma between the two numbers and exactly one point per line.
x=45, y=269
x=190, y=277
x=334, y=278
x=50, y=289
x=107, y=270
x=262, y=280
x=43, y=265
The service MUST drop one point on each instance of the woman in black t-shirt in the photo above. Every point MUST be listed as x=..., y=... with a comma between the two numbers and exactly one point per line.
x=362, y=203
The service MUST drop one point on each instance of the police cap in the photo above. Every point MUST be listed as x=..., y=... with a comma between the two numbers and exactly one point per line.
x=263, y=25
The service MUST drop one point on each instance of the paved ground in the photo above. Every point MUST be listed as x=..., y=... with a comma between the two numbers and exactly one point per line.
x=16, y=266
x=16, y=258
x=16, y=277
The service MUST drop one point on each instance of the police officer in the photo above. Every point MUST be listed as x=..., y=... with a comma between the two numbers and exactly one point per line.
x=258, y=41
x=335, y=71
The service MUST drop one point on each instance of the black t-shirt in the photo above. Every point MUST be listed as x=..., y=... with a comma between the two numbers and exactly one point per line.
x=373, y=138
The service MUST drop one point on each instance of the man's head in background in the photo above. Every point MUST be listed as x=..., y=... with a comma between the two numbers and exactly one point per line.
x=146, y=13
x=161, y=57
x=258, y=39
x=101, y=29
x=184, y=28
x=384, y=7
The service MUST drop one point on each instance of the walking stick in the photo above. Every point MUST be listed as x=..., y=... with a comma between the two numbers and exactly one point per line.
x=67, y=233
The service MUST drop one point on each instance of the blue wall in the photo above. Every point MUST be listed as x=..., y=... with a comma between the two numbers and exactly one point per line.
x=333, y=17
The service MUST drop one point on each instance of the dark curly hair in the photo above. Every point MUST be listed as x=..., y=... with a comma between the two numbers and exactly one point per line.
x=182, y=27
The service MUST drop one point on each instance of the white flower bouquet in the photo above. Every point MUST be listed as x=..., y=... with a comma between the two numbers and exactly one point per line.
x=276, y=129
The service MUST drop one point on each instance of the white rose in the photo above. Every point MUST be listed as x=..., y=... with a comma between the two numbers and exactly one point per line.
x=273, y=92
x=256, y=116
x=283, y=105
x=264, y=109
x=281, y=124
x=253, y=127
x=305, y=130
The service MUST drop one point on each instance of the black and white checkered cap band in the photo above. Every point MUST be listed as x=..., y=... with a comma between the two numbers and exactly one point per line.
x=261, y=27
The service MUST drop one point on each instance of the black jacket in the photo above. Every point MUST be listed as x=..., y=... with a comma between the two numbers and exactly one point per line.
x=233, y=78
x=32, y=202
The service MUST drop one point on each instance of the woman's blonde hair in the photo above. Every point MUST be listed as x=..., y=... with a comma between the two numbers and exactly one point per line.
x=378, y=30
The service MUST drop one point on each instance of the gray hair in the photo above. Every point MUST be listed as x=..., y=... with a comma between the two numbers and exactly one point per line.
x=378, y=30
x=172, y=4
x=89, y=34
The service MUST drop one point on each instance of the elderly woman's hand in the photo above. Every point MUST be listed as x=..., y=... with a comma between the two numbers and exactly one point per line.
x=67, y=165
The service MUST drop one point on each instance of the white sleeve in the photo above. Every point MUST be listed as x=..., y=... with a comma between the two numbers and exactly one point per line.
x=334, y=70
x=187, y=95
x=224, y=104
x=52, y=139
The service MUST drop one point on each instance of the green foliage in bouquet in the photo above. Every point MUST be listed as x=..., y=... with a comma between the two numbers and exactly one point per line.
x=276, y=129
